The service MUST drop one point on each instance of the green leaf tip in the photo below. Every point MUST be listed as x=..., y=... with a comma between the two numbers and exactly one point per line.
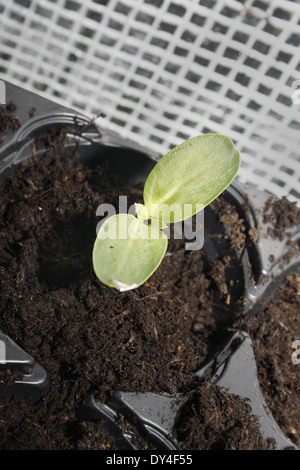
x=192, y=174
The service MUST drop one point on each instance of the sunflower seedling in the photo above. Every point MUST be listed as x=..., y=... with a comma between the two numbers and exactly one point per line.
x=128, y=249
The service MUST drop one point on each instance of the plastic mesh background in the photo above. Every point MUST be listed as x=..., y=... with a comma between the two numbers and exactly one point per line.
x=164, y=71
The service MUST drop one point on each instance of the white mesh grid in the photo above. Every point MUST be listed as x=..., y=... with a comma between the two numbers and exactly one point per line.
x=164, y=71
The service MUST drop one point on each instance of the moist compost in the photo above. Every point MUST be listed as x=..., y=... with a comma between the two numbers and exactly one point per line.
x=283, y=215
x=213, y=419
x=273, y=332
x=277, y=326
x=87, y=336
x=7, y=119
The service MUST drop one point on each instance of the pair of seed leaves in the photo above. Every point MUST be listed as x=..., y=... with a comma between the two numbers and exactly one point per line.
x=128, y=249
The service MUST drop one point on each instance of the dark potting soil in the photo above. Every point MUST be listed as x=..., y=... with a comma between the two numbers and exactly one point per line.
x=7, y=119
x=273, y=332
x=213, y=419
x=235, y=228
x=9, y=377
x=283, y=215
x=87, y=336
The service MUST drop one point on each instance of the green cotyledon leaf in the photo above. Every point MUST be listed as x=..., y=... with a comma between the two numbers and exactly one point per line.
x=127, y=252
x=190, y=177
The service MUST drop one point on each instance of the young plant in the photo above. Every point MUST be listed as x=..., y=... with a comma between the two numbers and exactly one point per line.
x=129, y=249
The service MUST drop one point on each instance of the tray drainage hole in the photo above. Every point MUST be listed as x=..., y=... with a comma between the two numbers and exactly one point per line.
x=65, y=252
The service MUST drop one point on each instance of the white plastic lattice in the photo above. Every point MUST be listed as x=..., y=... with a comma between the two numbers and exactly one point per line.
x=164, y=71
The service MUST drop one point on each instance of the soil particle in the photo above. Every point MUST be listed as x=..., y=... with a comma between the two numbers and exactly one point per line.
x=254, y=233
x=235, y=225
x=217, y=273
x=8, y=120
x=283, y=215
x=11, y=106
x=32, y=111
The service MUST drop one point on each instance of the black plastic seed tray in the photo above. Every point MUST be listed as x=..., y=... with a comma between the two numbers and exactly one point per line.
x=232, y=365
